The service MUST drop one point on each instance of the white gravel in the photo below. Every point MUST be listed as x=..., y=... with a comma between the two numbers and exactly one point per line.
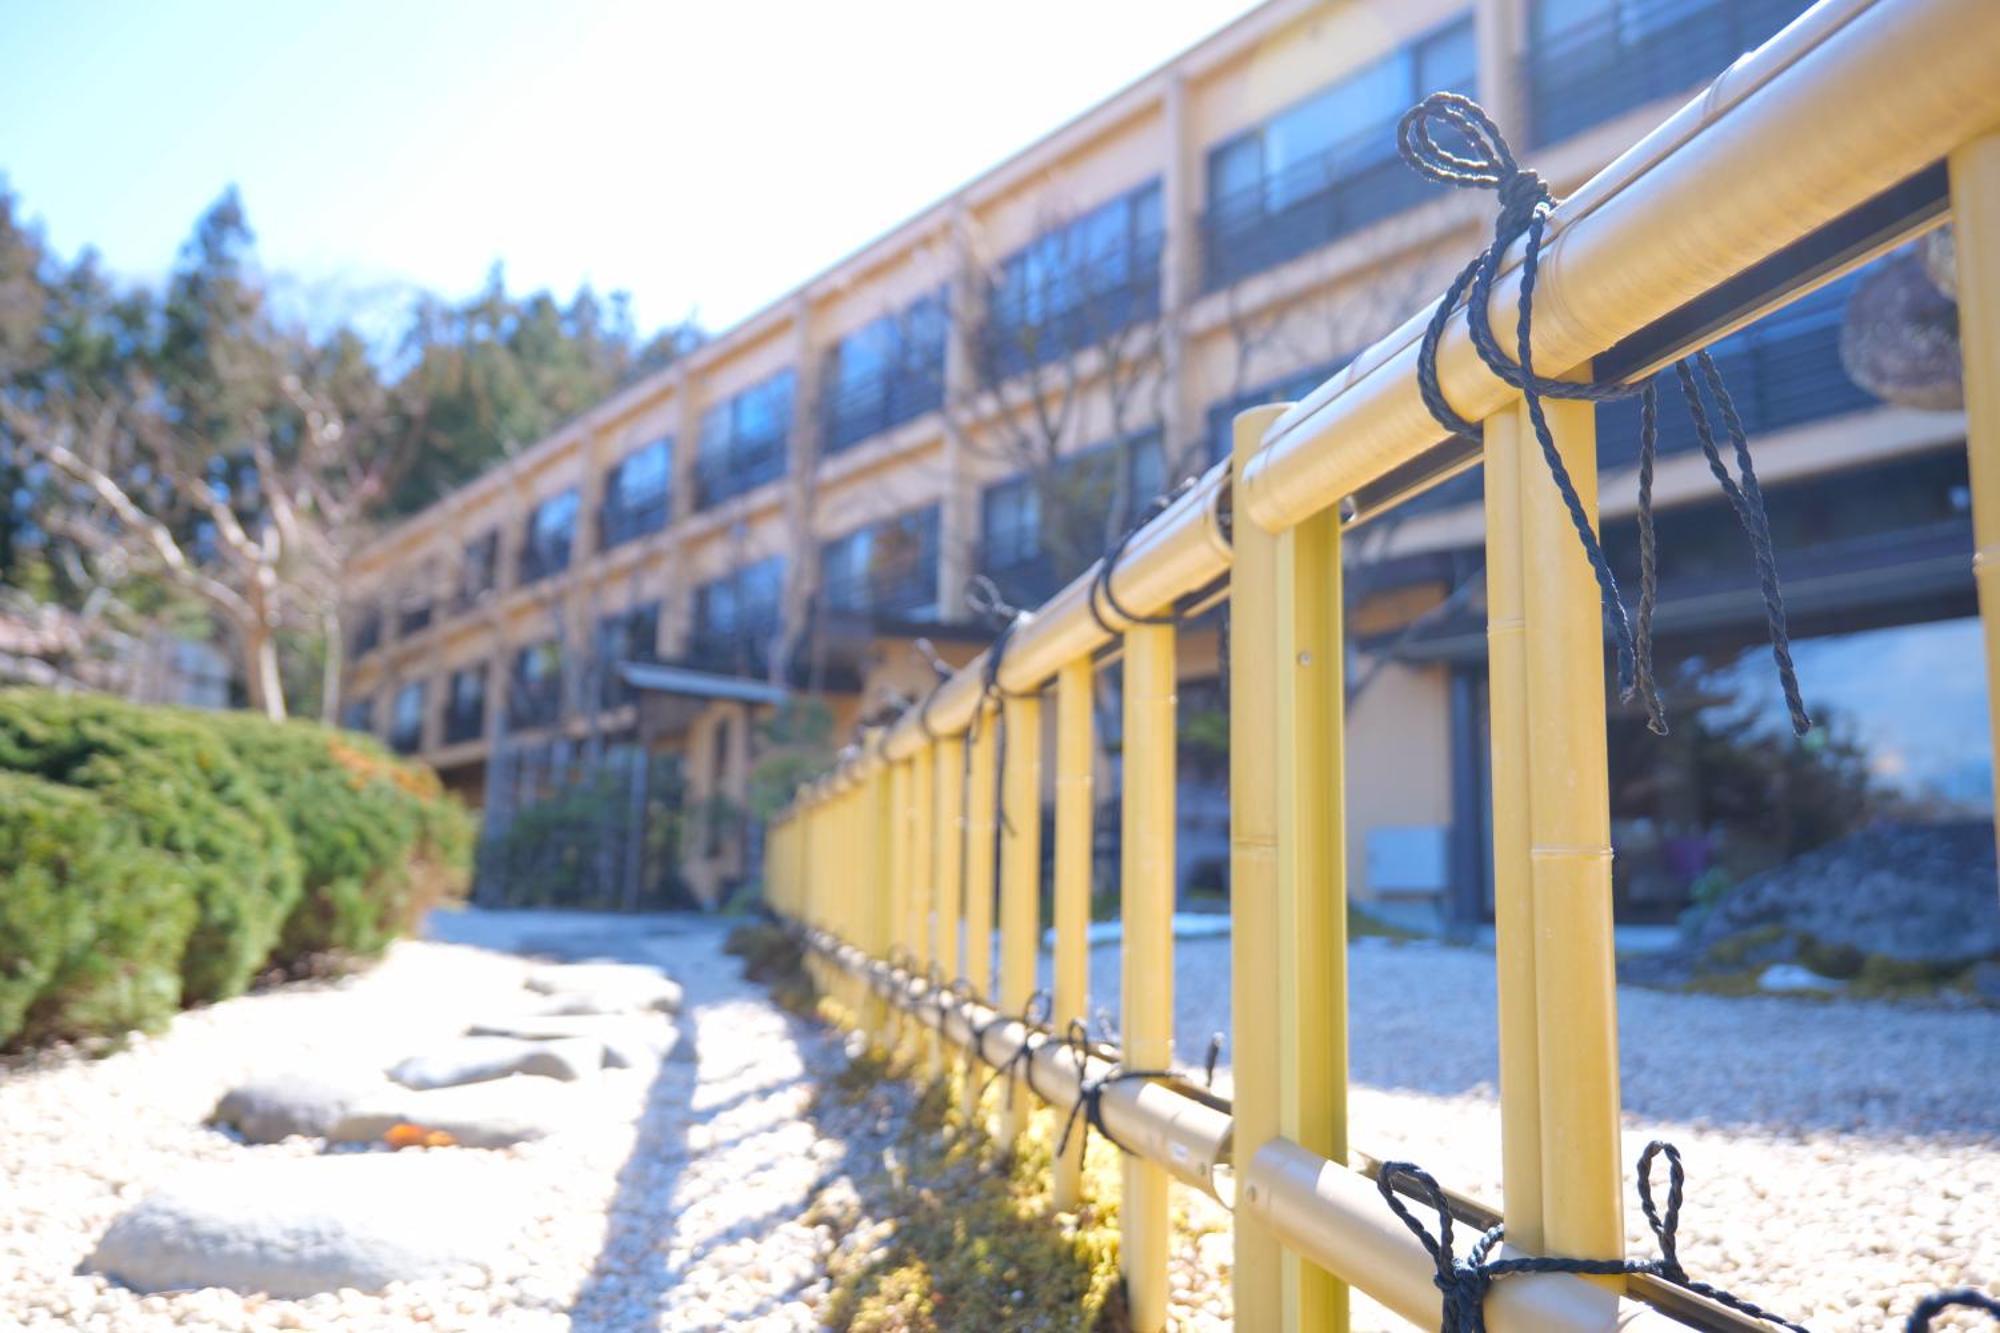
x=668, y=1204
x=1844, y=1158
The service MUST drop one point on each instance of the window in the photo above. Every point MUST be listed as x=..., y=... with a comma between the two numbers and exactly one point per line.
x=1589, y=60
x=626, y=636
x=406, y=719
x=534, y=695
x=367, y=634
x=1026, y=554
x=413, y=615
x=889, y=567
x=637, y=494
x=885, y=373
x=465, y=705
x=737, y=616
x=744, y=440
x=1327, y=165
x=358, y=714
x=551, y=534
x=479, y=572
x=1076, y=283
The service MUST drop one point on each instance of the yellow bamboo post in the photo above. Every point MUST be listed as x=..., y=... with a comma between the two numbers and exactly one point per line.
x=922, y=858
x=1020, y=878
x=1147, y=862
x=896, y=938
x=1257, y=1278
x=1513, y=901
x=949, y=821
x=877, y=892
x=1312, y=878
x=980, y=781
x=1569, y=821
x=1076, y=745
x=1975, y=209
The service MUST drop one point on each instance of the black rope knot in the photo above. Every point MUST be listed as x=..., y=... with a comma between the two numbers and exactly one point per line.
x=1525, y=205
x=1463, y=1283
x=1034, y=1017
x=1102, y=596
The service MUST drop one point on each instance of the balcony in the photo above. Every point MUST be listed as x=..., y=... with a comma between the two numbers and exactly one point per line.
x=746, y=464
x=367, y=635
x=413, y=620
x=621, y=523
x=863, y=410
x=465, y=722
x=1070, y=312
x=534, y=703
x=1638, y=51
x=407, y=737
x=1310, y=203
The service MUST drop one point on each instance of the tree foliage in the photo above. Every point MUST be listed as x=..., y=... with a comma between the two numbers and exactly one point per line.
x=192, y=446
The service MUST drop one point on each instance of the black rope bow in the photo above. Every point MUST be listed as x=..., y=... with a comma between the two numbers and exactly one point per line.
x=1463, y=1283
x=1089, y=1104
x=1034, y=1018
x=1102, y=596
x=1525, y=204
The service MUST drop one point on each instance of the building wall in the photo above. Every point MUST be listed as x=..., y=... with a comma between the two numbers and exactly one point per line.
x=1218, y=342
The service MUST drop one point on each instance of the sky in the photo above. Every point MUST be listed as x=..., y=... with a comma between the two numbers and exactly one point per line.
x=706, y=158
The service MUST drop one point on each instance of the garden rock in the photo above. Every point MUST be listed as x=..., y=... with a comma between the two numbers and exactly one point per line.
x=296, y=1227
x=630, y=1041
x=480, y=1059
x=1908, y=893
x=498, y=1113
x=1792, y=979
x=608, y=988
x=273, y=1107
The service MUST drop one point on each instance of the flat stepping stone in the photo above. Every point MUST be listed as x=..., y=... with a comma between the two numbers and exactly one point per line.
x=296, y=1227
x=498, y=1113
x=630, y=1041
x=610, y=987
x=271, y=1108
x=482, y=1059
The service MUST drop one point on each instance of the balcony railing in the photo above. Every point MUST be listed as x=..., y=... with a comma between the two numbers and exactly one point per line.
x=1289, y=213
x=367, y=635
x=1639, y=51
x=533, y=703
x=1070, y=312
x=464, y=722
x=540, y=560
x=722, y=474
x=407, y=738
x=619, y=523
x=413, y=620
x=740, y=654
x=880, y=403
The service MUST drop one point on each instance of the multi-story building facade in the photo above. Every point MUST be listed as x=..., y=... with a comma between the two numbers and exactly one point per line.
x=996, y=384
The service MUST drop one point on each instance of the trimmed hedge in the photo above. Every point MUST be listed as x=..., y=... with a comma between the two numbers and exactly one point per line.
x=378, y=840
x=151, y=857
x=92, y=923
x=187, y=796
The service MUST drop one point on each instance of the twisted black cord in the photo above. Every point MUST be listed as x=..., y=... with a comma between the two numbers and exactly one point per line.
x=982, y=595
x=1034, y=1017
x=1089, y=1104
x=1747, y=500
x=1525, y=205
x=1463, y=1283
x=1100, y=583
x=1964, y=1298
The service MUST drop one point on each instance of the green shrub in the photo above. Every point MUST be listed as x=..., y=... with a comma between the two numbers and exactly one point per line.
x=92, y=924
x=185, y=795
x=378, y=840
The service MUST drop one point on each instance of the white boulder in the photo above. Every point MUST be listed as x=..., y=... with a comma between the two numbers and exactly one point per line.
x=481, y=1059
x=295, y=1227
x=497, y=1113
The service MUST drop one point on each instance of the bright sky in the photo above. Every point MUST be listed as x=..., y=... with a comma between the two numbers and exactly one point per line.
x=705, y=157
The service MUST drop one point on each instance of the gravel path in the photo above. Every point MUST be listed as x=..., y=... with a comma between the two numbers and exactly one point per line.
x=1843, y=1158
x=670, y=1203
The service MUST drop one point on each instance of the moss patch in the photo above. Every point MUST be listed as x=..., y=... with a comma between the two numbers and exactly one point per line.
x=971, y=1235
